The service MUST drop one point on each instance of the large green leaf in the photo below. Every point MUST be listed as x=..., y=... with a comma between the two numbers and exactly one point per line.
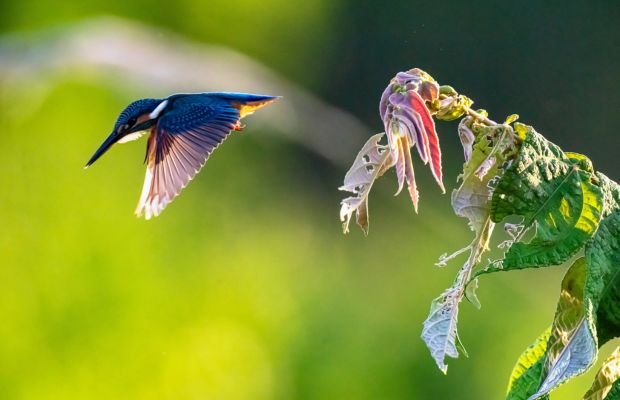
x=611, y=194
x=605, y=377
x=555, y=194
x=526, y=374
x=603, y=281
x=590, y=297
x=572, y=345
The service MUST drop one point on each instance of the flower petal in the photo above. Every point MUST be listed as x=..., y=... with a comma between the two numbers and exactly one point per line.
x=409, y=175
x=413, y=122
x=400, y=165
x=429, y=127
x=383, y=104
x=428, y=90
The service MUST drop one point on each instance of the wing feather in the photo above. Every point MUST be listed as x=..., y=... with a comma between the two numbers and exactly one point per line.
x=179, y=146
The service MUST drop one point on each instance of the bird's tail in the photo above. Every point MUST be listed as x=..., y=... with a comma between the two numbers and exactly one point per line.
x=247, y=103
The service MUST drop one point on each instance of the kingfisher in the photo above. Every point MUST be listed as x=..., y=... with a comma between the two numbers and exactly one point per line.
x=183, y=130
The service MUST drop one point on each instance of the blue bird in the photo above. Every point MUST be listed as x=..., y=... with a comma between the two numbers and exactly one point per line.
x=183, y=129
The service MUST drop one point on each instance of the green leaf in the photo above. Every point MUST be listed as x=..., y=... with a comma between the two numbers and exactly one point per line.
x=554, y=194
x=572, y=345
x=371, y=162
x=447, y=90
x=453, y=107
x=611, y=194
x=614, y=393
x=605, y=377
x=603, y=282
x=590, y=297
x=511, y=118
x=526, y=374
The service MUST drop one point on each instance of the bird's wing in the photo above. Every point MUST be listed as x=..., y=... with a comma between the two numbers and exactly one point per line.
x=178, y=147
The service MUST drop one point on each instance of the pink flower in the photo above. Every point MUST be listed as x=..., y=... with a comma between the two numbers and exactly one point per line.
x=408, y=122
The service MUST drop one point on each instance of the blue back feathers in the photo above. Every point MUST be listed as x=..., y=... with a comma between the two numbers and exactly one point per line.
x=142, y=106
x=240, y=97
x=224, y=98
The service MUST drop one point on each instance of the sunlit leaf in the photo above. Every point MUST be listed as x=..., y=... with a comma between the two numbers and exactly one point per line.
x=605, y=377
x=572, y=346
x=453, y=107
x=590, y=297
x=526, y=374
x=371, y=162
x=555, y=196
x=511, y=118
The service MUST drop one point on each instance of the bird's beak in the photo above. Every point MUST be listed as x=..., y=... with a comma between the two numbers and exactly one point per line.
x=113, y=138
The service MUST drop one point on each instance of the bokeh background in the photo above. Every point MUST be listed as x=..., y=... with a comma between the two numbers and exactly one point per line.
x=245, y=287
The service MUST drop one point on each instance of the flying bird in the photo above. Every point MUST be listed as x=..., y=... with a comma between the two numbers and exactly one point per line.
x=183, y=130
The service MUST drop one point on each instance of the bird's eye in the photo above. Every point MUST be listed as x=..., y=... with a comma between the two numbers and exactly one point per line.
x=131, y=122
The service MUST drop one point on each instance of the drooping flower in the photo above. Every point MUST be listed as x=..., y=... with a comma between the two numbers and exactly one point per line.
x=407, y=108
x=409, y=123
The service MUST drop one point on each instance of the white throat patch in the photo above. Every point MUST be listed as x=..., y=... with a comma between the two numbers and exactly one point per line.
x=158, y=109
x=131, y=137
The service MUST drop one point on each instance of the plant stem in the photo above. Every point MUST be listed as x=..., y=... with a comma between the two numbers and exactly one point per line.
x=476, y=115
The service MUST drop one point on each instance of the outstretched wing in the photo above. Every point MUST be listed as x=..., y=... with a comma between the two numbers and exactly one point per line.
x=178, y=147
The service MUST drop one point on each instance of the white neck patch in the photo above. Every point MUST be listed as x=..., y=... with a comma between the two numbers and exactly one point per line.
x=131, y=137
x=158, y=109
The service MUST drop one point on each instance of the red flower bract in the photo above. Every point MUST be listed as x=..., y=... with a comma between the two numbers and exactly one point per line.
x=408, y=122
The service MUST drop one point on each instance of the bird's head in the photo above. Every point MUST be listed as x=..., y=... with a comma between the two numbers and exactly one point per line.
x=135, y=118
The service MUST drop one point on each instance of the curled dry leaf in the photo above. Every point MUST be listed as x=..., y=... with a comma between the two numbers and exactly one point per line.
x=467, y=137
x=371, y=162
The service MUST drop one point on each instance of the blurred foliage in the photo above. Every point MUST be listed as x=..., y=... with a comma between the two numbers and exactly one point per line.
x=245, y=287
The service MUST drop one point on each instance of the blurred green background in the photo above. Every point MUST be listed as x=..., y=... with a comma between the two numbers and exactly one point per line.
x=245, y=287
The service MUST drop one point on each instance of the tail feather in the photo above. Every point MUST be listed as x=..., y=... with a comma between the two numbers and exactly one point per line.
x=247, y=107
